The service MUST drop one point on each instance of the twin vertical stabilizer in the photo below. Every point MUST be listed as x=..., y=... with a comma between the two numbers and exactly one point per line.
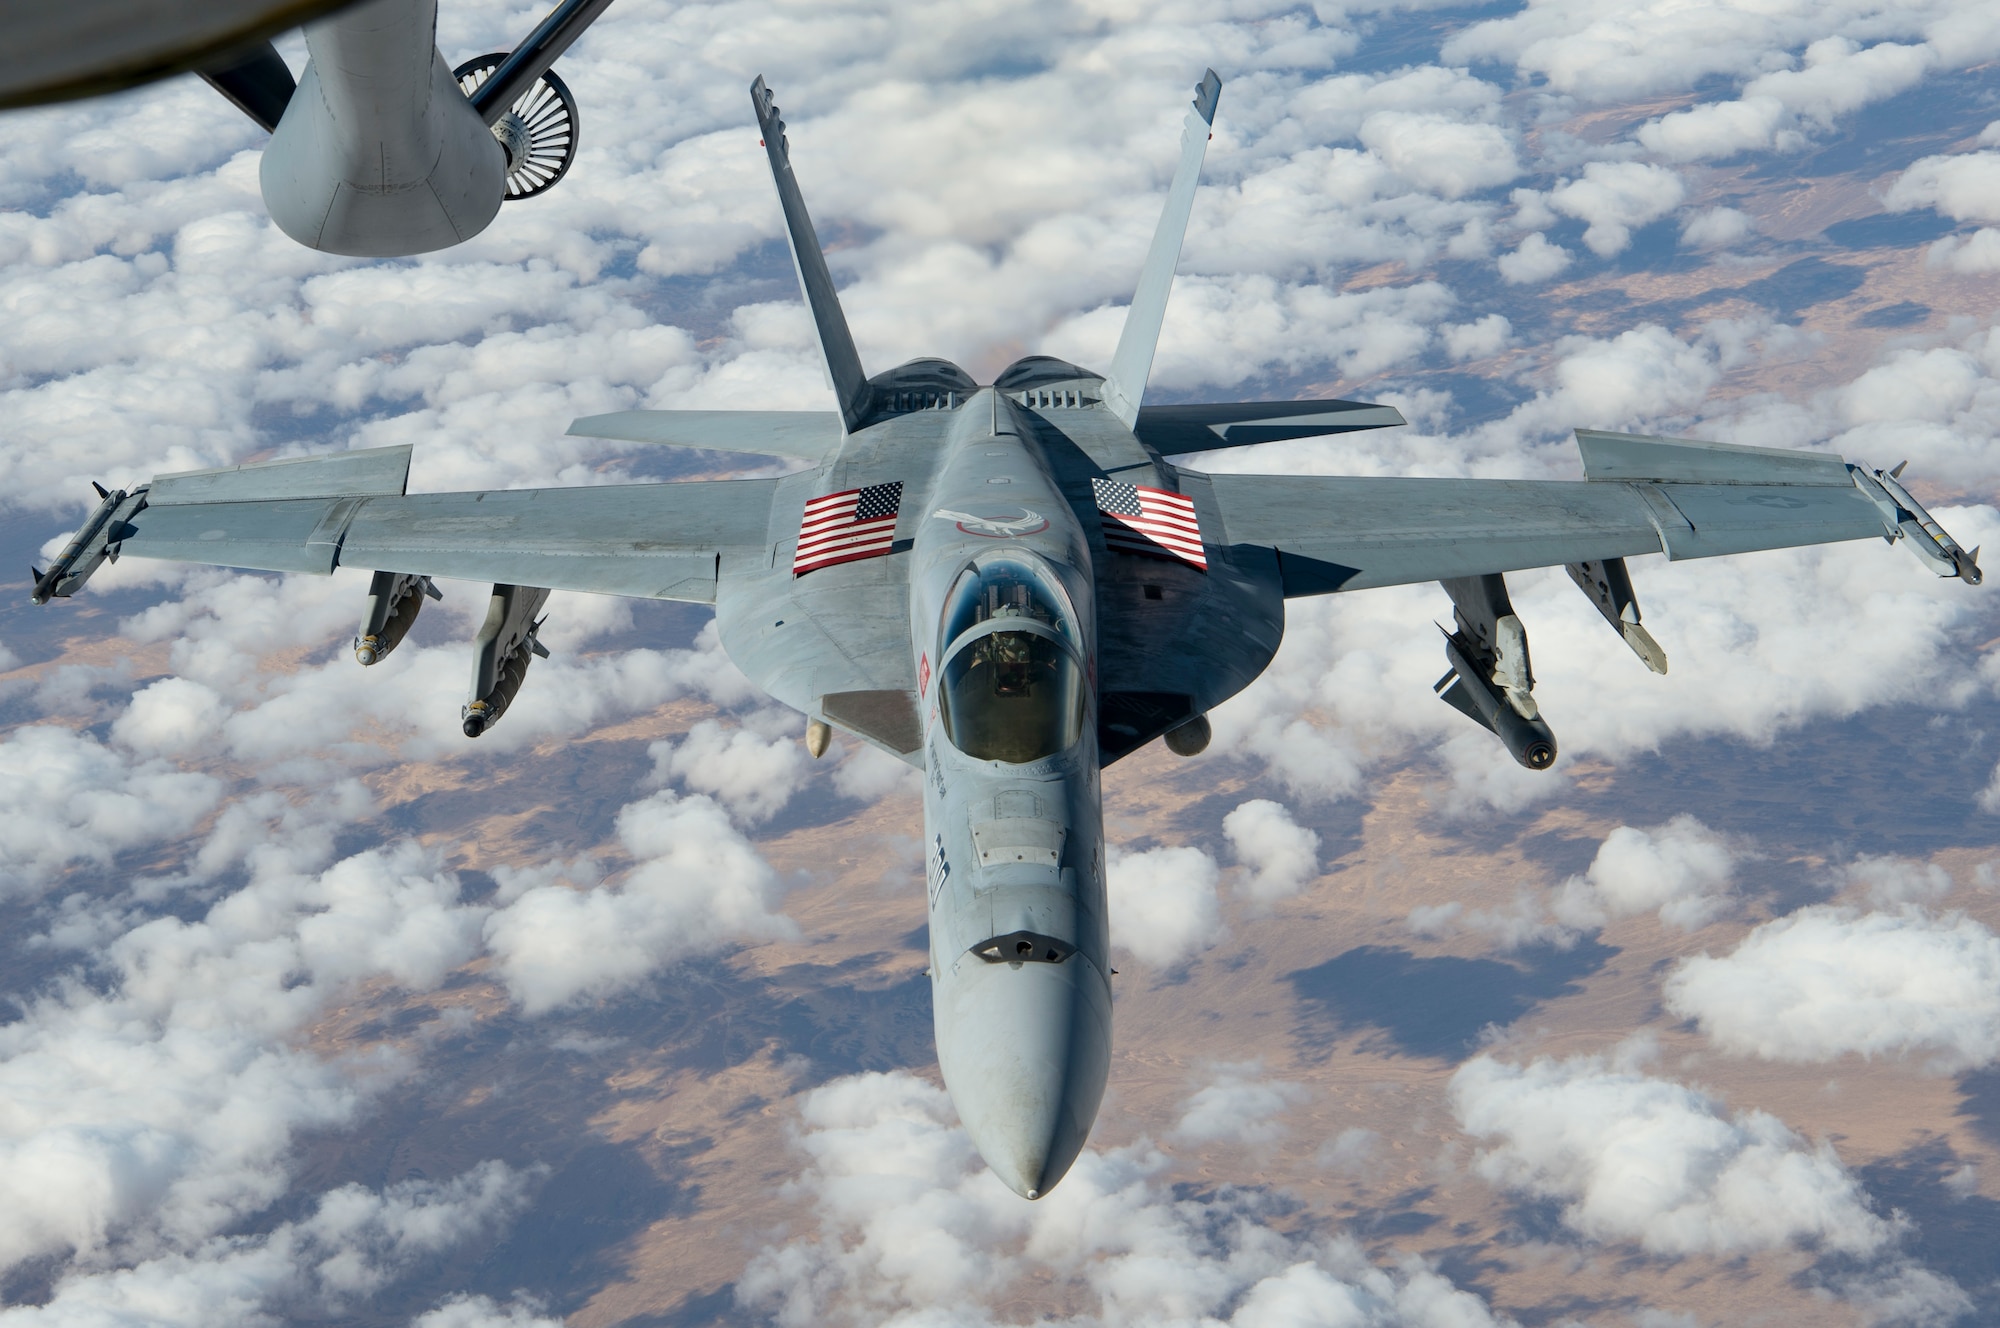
x=1133, y=360
x=1130, y=364
x=843, y=364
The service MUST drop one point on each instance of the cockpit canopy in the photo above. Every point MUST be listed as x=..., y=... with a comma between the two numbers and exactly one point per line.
x=1012, y=689
x=1008, y=586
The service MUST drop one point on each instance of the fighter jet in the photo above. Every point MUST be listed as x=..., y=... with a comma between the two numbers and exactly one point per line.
x=1010, y=586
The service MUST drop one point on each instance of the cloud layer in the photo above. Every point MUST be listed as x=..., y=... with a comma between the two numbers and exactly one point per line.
x=1827, y=982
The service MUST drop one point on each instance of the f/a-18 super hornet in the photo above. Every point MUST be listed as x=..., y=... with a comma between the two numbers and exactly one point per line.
x=1010, y=586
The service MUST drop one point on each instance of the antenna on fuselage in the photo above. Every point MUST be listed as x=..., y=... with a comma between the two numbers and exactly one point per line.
x=843, y=364
x=1125, y=388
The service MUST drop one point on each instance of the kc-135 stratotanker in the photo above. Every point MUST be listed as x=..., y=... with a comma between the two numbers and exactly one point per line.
x=1010, y=586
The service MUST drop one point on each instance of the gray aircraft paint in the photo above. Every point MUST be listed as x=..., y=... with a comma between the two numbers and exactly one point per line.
x=1015, y=849
x=379, y=154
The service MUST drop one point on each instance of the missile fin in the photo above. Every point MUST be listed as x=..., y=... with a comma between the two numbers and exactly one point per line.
x=1458, y=699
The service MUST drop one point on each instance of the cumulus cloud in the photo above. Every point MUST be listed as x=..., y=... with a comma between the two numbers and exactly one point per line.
x=1838, y=76
x=1163, y=903
x=1897, y=880
x=65, y=797
x=1441, y=153
x=1634, y=1158
x=484, y=1312
x=1477, y=340
x=1716, y=228
x=1238, y=1104
x=899, y=1222
x=869, y=774
x=752, y=774
x=1963, y=186
x=161, y=1104
x=1681, y=870
x=698, y=886
x=172, y=717
x=1611, y=53
x=330, y=1263
x=1533, y=261
x=1974, y=253
x=1281, y=854
x=1827, y=982
x=1524, y=921
x=1614, y=198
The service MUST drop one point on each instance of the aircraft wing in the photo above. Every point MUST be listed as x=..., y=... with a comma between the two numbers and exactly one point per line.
x=1641, y=495
x=657, y=541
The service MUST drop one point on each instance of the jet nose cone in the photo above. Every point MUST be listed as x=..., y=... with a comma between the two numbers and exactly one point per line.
x=1025, y=1049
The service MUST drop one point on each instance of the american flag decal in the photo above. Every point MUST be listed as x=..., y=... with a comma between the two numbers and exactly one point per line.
x=1153, y=522
x=841, y=527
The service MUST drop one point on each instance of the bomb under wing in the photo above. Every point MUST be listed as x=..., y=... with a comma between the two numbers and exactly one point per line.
x=1011, y=586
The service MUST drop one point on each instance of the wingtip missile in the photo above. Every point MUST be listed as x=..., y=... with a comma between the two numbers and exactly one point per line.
x=1914, y=525
x=88, y=550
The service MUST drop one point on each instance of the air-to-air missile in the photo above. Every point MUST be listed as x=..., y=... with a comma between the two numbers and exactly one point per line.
x=394, y=600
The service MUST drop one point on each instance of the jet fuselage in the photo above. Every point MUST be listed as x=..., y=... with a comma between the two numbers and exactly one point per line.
x=1035, y=656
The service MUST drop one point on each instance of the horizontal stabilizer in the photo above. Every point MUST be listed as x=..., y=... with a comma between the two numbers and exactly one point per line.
x=805, y=434
x=371, y=473
x=1637, y=458
x=1207, y=428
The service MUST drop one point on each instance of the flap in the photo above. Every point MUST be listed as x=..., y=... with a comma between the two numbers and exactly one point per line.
x=1631, y=456
x=371, y=473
